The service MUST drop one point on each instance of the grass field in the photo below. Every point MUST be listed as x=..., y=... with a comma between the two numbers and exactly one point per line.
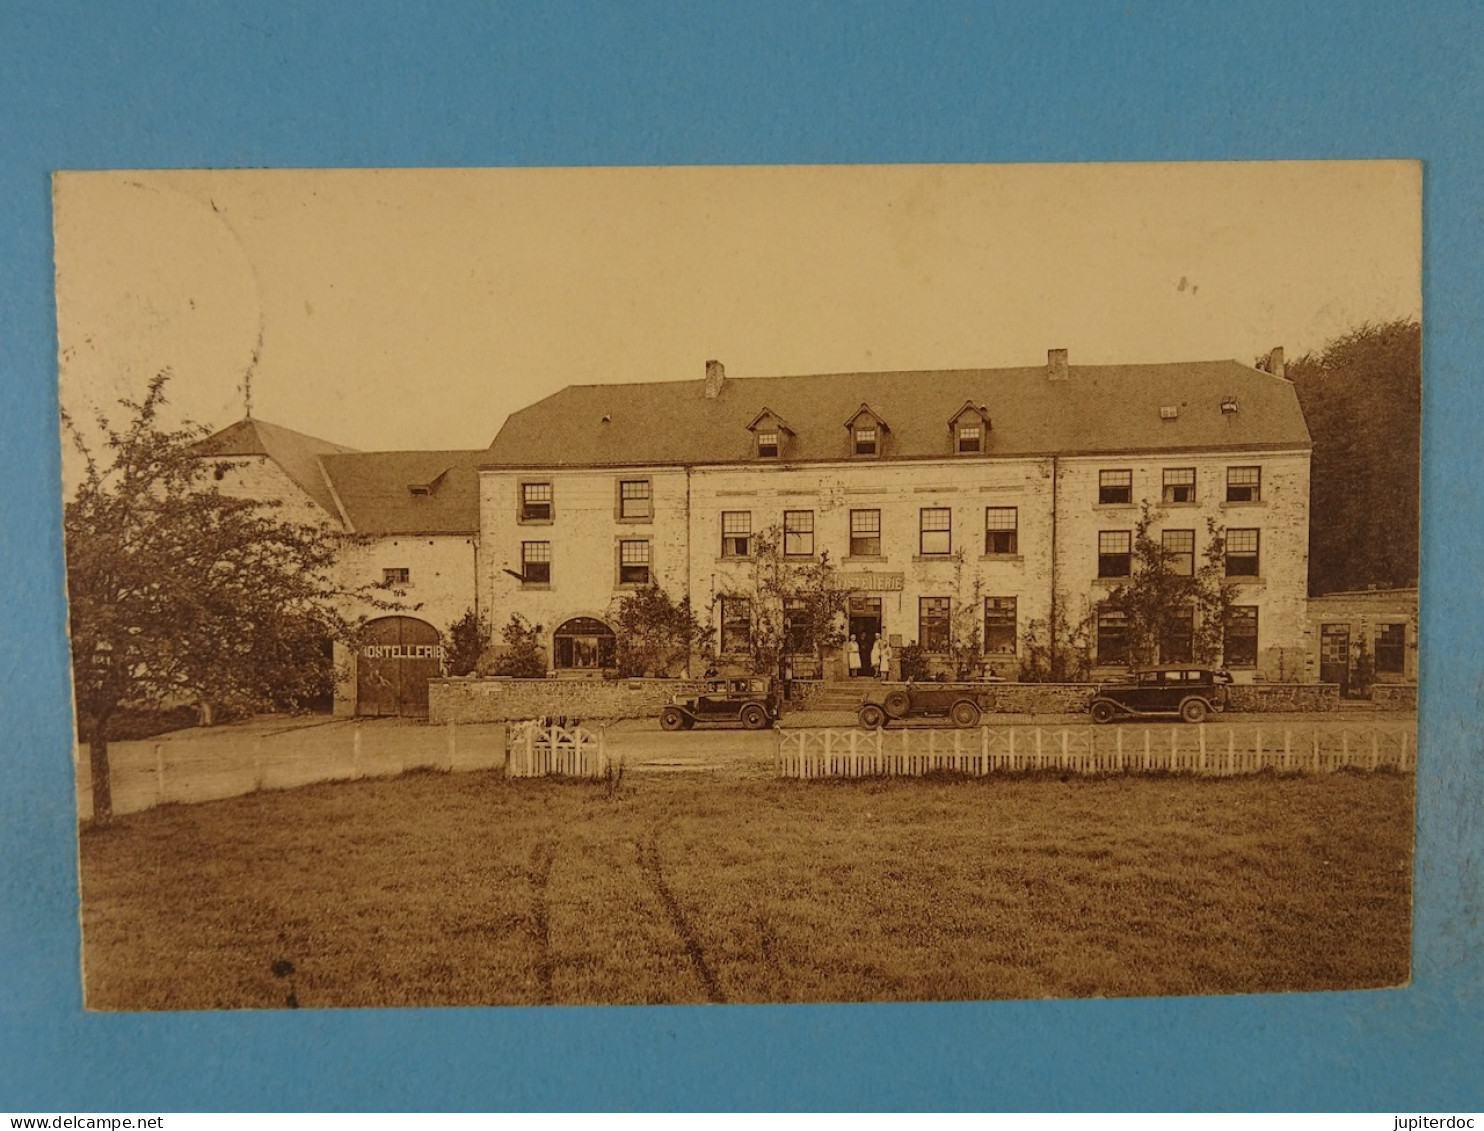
x=467, y=889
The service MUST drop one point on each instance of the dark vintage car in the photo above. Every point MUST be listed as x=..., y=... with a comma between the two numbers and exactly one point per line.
x=960, y=706
x=1189, y=693
x=755, y=702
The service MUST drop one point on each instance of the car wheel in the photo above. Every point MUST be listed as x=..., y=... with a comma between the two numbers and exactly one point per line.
x=1194, y=711
x=964, y=714
x=872, y=717
x=672, y=718
x=754, y=717
x=1103, y=712
x=897, y=703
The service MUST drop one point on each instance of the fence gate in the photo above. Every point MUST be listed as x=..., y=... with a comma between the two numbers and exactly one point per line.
x=396, y=658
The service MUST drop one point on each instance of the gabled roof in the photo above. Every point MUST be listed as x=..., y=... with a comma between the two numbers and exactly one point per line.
x=966, y=408
x=867, y=410
x=769, y=414
x=377, y=496
x=297, y=454
x=1098, y=409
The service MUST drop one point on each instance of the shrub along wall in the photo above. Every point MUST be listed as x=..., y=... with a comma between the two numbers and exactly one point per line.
x=496, y=700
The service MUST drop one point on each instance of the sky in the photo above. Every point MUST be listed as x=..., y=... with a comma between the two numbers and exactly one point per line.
x=396, y=309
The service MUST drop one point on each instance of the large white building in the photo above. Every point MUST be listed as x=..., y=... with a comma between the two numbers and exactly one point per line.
x=991, y=494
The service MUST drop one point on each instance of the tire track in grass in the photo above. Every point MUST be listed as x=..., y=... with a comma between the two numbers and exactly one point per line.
x=649, y=861
x=539, y=874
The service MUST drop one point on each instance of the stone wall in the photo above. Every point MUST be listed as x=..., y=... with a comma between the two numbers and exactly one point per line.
x=496, y=699
x=1395, y=696
x=1284, y=697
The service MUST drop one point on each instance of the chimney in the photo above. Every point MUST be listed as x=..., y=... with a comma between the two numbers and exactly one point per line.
x=1056, y=365
x=1275, y=362
x=716, y=377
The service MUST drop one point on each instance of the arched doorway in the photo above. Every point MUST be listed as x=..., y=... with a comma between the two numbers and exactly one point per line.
x=396, y=658
x=583, y=644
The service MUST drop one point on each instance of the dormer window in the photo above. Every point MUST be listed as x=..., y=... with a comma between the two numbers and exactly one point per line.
x=867, y=440
x=867, y=433
x=968, y=429
x=769, y=431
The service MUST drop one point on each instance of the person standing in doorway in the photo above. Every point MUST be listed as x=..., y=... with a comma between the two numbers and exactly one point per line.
x=876, y=654
x=853, y=657
x=883, y=671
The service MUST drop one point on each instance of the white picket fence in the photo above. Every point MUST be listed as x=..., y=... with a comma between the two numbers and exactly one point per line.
x=1204, y=749
x=535, y=749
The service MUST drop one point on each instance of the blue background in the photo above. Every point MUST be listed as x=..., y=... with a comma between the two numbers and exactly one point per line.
x=458, y=83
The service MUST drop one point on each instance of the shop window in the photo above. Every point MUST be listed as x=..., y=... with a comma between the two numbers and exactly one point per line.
x=933, y=624
x=999, y=626
x=1239, y=641
x=583, y=643
x=1391, y=648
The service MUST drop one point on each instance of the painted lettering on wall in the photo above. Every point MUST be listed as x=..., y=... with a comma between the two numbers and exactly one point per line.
x=403, y=651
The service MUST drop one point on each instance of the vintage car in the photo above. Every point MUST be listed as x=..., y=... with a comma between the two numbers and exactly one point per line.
x=1189, y=693
x=961, y=707
x=755, y=702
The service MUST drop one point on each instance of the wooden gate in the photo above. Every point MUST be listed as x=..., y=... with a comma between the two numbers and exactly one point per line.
x=396, y=658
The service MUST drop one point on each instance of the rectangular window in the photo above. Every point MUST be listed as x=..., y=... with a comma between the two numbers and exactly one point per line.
x=866, y=440
x=1391, y=648
x=1115, y=487
x=935, y=532
x=633, y=561
x=999, y=626
x=933, y=620
x=797, y=639
x=1115, y=553
x=1177, y=640
x=535, y=502
x=865, y=534
x=1001, y=530
x=1112, y=638
x=798, y=534
x=736, y=534
x=401, y=575
x=1244, y=484
x=634, y=499
x=767, y=445
x=1242, y=553
x=970, y=437
x=1179, y=548
x=736, y=625
x=1179, y=485
x=1239, y=641
x=535, y=563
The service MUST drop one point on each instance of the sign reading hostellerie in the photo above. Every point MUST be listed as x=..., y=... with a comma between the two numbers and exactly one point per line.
x=403, y=651
x=867, y=582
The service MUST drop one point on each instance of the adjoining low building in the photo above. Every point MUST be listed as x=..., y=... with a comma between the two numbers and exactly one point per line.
x=408, y=525
x=1004, y=496
x=1365, y=641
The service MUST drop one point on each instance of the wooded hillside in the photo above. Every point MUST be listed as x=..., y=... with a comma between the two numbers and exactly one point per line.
x=1362, y=398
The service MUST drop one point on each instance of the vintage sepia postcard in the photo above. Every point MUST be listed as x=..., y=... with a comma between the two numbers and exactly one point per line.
x=741, y=584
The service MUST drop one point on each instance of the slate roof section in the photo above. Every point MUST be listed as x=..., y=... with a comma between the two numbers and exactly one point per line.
x=1100, y=409
x=386, y=493
x=296, y=453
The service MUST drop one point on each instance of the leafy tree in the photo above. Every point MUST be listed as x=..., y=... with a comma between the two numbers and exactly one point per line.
x=798, y=605
x=1160, y=601
x=1058, y=649
x=468, y=638
x=179, y=593
x=523, y=656
x=656, y=633
x=1362, y=399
